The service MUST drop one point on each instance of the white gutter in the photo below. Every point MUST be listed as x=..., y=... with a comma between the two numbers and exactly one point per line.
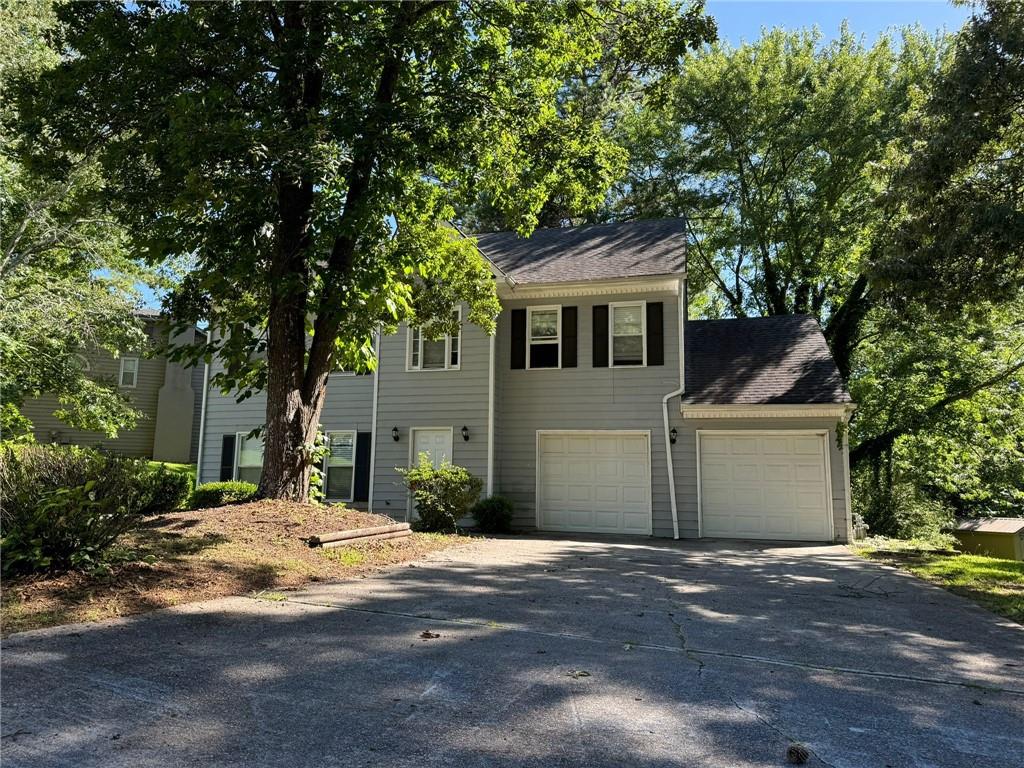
x=373, y=424
x=664, y=410
x=202, y=416
x=490, y=418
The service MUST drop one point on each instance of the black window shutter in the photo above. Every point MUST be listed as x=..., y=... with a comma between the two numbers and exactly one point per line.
x=600, y=335
x=518, y=338
x=361, y=492
x=568, y=337
x=227, y=457
x=655, y=333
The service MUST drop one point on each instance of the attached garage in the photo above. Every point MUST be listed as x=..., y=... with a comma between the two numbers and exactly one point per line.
x=594, y=481
x=764, y=485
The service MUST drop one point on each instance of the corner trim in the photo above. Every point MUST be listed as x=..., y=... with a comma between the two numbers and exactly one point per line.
x=838, y=410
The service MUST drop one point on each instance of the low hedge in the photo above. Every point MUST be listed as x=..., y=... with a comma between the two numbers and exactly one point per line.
x=219, y=494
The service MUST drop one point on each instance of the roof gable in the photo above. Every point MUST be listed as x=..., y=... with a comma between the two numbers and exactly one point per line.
x=597, y=252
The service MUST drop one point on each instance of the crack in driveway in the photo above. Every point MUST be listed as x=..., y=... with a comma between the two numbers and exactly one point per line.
x=684, y=650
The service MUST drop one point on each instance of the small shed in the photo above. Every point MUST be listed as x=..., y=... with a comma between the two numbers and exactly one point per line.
x=996, y=537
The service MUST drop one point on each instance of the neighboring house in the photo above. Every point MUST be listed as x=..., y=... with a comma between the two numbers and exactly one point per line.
x=591, y=408
x=167, y=394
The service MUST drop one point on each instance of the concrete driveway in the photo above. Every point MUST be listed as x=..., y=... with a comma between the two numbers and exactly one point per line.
x=537, y=652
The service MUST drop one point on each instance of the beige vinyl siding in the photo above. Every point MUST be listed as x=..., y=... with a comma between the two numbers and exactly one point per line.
x=685, y=452
x=582, y=398
x=105, y=367
x=431, y=398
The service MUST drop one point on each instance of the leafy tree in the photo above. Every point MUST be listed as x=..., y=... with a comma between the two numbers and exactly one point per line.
x=957, y=194
x=767, y=149
x=308, y=155
x=66, y=281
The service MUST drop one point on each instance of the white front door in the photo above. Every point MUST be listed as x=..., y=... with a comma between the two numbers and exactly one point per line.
x=594, y=482
x=436, y=443
x=764, y=485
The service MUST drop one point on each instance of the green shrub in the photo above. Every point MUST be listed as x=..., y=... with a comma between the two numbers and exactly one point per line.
x=168, y=490
x=493, y=514
x=219, y=494
x=443, y=495
x=62, y=507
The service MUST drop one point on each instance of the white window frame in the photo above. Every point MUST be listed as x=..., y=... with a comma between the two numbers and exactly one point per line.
x=326, y=468
x=239, y=437
x=412, y=332
x=135, y=374
x=611, y=332
x=529, y=335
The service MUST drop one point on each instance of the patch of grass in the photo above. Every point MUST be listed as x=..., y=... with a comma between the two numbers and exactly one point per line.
x=345, y=556
x=941, y=542
x=273, y=597
x=995, y=583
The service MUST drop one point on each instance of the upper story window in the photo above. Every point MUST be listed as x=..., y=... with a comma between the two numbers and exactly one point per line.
x=627, y=334
x=434, y=354
x=128, y=377
x=248, y=457
x=545, y=337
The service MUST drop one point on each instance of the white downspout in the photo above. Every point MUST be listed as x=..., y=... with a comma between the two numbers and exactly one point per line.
x=373, y=425
x=664, y=409
x=490, y=417
x=202, y=417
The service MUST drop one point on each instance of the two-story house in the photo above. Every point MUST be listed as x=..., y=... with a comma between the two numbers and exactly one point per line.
x=167, y=394
x=596, y=407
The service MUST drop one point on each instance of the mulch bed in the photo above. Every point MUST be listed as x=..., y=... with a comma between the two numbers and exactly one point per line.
x=195, y=555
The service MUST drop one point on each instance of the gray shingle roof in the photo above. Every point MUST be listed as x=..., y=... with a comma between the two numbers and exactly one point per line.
x=780, y=360
x=595, y=252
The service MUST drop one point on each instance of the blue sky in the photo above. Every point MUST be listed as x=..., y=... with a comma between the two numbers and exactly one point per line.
x=740, y=20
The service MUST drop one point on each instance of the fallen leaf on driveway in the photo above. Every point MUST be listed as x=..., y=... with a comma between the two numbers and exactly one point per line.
x=426, y=634
x=577, y=673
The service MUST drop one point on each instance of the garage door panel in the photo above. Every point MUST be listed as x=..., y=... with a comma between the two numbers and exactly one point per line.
x=764, y=486
x=598, y=483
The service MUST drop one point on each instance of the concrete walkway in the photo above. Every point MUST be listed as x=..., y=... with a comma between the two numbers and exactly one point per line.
x=537, y=652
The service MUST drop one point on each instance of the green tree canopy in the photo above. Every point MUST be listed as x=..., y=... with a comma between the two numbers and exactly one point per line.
x=66, y=277
x=309, y=155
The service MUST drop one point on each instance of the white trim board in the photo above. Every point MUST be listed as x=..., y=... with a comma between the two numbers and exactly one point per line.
x=645, y=433
x=653, y=284
x=823, y=434
x=765, y=411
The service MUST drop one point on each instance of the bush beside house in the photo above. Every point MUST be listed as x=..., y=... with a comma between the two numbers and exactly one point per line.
x=63, y=507
x=443, y=495
x=219, y=494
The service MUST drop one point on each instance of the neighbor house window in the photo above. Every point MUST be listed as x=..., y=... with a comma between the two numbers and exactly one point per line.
x=434, y=354
x=545, y=326
x=627, y=334
x=248, y=457
x=129, y=375
x=339, y=466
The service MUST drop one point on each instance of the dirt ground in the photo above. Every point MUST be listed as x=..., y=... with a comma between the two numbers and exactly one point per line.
x=194, y=555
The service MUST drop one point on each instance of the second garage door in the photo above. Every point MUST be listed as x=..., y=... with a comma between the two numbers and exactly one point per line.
x=764, y=486
x=595, y=482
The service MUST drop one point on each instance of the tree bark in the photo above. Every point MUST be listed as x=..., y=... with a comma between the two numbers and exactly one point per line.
x=297, y=382
x=841, y=330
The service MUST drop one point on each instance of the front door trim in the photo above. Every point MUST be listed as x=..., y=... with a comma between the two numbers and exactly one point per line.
x=413, y=457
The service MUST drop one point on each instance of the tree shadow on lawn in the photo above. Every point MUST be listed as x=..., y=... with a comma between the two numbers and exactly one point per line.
x=588, y=655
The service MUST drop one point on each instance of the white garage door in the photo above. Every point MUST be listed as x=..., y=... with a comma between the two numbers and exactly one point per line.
x=764, y=486
x=596, y=482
